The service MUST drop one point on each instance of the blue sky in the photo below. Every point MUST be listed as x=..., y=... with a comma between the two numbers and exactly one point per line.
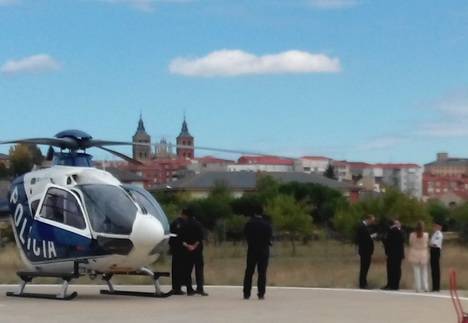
x=379, y=81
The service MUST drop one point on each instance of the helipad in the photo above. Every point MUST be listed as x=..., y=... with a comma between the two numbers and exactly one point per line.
x=225, y=304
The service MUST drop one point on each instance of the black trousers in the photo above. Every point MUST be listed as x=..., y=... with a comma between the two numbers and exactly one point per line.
x=195, y=260
x=394, y=272
x=364, y=269
x=177, y=270
x=435, y=268
x=259, y=259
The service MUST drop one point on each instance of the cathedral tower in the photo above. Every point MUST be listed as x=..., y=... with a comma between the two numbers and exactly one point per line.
x=141, y=152
x=185, y=139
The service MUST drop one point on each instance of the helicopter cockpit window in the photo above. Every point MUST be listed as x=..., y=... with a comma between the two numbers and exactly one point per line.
x=148, y=204
x=110, y=209
x=62, y=207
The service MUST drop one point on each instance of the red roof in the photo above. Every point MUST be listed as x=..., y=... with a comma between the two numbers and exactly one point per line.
x=213, y=160
x=359, y=165
x=265, y=160
x=315, y=158
x=396, y=165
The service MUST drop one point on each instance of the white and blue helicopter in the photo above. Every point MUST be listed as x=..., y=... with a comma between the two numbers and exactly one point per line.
x=72, y=220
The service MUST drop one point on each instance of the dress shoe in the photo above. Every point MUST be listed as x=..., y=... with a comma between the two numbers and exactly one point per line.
x=201, y=293
x=176, y=292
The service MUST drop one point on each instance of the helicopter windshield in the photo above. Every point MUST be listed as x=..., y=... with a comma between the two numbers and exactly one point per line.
x=148, y=204
x=110, y=210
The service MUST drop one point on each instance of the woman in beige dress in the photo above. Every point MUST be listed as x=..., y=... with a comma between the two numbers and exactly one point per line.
x=418, y=256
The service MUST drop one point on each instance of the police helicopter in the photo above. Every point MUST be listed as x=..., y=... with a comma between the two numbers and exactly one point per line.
x=72, y=220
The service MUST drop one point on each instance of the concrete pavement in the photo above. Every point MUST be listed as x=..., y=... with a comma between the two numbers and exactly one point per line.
x=225, y=304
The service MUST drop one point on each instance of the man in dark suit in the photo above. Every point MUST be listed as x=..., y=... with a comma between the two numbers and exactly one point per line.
x=395, y=250
x=365, y=243
x=258, y=233
x=178, y=255
x=192, y=240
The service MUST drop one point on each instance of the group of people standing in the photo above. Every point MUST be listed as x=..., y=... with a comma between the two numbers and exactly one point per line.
x=422, y=250
x=186, y=246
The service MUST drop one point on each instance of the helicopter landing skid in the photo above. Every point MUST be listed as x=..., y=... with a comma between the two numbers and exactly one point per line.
x=144, y=272
x=27, y=277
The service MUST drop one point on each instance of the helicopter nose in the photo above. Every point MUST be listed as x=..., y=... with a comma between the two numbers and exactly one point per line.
x=147, y=232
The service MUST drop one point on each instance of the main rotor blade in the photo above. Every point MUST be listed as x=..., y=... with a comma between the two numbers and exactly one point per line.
x=100, y=143
x=123, y=156
x=56, y=142
x=221, y=150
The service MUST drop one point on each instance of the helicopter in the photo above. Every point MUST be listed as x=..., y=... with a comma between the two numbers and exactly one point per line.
x=72, y=220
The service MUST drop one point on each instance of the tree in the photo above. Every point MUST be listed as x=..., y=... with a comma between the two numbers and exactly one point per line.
x=234, y=226
x=267, y=188
x=460, y=214
x=4, y=173
x=246, y=205
x=290, y=218
x=21, y=159
x=345, y=222
x=330, y=172
x=37, y=157
x=439, y=212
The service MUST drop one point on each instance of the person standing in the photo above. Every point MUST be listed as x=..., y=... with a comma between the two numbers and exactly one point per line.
x=395, y=251
x=258, y=233
x=436, y=247
x=365, y=243
x=418, y=256
x=177, y=252
x=192, y=241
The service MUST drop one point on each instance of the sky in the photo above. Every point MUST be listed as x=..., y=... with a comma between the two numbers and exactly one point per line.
x=375, y=81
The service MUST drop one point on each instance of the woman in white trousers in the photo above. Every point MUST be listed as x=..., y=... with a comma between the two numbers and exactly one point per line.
x=418, y=256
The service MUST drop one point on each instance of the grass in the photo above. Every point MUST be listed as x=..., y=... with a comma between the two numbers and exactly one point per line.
x=325, y=263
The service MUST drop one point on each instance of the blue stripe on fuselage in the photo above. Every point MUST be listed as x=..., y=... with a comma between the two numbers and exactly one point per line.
x=40, y=241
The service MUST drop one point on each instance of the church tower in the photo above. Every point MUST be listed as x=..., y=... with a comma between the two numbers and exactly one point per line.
x=141, y=152
x=185, y=139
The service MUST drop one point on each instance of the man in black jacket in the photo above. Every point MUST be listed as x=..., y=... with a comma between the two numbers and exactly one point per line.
x=178, y=254
x=395, y=250
x=192, y=240
x=258, y=233
x=365, y=243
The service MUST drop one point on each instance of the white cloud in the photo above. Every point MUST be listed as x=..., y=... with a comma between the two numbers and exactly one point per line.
x=381, y=143
x=452, y=128
x=8, y=2
x=237, y=62
x=144, y=5
x=333, y=4
x=32, y=64
x=451, y=116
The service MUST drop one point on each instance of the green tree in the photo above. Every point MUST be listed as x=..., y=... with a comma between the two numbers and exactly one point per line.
x=4, y=173
x=460, y=214
x=267, y=188
x=290, y=218
x=246, y=205
x=330, y=172
x=21, y=159
x=234, y=226
x=439, y=212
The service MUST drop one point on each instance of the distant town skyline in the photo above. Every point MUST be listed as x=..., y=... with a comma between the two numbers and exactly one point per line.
x=350, y=79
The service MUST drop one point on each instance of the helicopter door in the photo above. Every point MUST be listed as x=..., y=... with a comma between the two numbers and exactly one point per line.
x=60, y=218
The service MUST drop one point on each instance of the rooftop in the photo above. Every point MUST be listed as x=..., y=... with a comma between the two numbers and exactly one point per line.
x=265, y=160
x=248, y=180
